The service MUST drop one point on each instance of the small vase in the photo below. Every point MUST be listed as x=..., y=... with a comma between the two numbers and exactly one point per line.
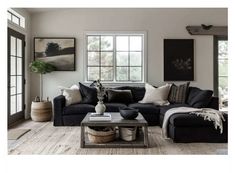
x=100, y=107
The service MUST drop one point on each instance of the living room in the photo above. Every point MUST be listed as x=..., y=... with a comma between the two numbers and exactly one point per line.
x=160, y=75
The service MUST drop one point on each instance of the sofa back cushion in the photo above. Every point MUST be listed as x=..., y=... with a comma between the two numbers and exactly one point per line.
x=119, y=96
x=178, y=94
x=89, y=94
x=137, y=92
x=199, y=98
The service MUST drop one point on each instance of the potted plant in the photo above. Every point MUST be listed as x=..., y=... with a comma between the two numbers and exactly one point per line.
x=41, y=110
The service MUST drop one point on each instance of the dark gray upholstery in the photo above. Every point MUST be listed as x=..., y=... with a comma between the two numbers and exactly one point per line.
x=114, y=107
x=182, y=127
x=78, y=109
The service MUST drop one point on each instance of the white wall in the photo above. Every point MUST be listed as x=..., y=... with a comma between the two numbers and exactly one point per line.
x=27, y=32
x=159, y=24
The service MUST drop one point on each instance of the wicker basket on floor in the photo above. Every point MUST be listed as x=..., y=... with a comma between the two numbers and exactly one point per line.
x=102, y=135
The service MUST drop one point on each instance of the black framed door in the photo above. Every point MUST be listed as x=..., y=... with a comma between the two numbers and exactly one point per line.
x=16, y=75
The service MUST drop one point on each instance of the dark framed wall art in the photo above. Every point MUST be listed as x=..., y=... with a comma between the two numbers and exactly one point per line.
x=58, y=51
x=178, y=59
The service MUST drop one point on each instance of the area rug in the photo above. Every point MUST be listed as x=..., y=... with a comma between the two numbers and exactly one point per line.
x=15, y=134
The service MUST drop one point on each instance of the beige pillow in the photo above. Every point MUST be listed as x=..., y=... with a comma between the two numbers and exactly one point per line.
x=72, y=95
x=157, y=96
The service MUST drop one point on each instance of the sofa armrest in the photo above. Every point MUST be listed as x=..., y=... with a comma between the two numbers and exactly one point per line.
x=214, y=103
x=59, y=104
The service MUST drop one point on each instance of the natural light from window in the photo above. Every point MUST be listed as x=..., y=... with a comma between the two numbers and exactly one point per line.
x=115, y=57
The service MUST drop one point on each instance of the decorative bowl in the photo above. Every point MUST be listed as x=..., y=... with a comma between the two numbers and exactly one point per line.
x=129, y=113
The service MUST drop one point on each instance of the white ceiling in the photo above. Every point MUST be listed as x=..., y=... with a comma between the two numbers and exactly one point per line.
x=41, y=10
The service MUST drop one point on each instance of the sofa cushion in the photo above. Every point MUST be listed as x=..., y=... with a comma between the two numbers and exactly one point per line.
x=157, y=96
x=146, y=108
x=199, y=98
x=188, y=120
x=178, y=94
x=79, y=109
x=114, y=107
x=89, y=94
x=119, y=96
x=137, y=92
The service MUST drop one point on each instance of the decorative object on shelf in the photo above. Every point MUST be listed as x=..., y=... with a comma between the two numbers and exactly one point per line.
x=127, y=133
x=204, y=29
x=100, y=107
x=58, y=51
x=101, y=134
x=178, y=59
x=129, y=113
x=41, y=68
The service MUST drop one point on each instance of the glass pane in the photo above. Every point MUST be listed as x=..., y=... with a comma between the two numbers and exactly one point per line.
x=122, y=43
x=135, y=73
x=13, y=104
x=223, y=67
x=8, y=16
x=122, y=73
x=19, y=102
x=93, y=73
x=13, y=85
x=135, y=43
x=223, y=49
x=19, y=84
x=135, y=59
x=15, y=20
x=122, y=58
x=93, y=58
x=93, y=43
x=107, y=73
x=19, y=47
x=106, y=43
x=13, y=46
x=107, y=58
x=13, y=65
x=223, y=84
x=19, y=66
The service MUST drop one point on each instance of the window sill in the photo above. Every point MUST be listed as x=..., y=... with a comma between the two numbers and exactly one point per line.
x=115, y=84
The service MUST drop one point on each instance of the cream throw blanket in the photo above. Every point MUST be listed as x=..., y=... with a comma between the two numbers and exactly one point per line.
x=208, y=114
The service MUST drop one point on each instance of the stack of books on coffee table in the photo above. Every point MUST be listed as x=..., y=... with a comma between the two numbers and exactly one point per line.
x=100, y=117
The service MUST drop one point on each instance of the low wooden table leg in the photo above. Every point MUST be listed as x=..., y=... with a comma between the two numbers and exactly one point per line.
x=146, y=141
x=82, y=142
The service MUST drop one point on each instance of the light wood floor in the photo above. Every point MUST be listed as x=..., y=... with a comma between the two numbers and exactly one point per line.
x=44, y=138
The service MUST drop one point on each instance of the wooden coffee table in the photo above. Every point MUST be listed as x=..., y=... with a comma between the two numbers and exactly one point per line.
x=117, y=121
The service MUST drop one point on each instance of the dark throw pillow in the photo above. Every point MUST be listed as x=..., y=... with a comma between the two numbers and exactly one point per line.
x=119, y=96
x=89, y=94
x=178, y=94
x=199, y=98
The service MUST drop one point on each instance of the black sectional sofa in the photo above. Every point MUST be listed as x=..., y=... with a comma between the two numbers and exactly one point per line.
x=182, y=127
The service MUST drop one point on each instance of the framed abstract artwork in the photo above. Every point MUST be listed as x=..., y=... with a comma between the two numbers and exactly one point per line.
x=178, y=59
x=58, y=51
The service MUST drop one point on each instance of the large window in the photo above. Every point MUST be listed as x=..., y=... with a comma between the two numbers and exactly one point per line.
x=115, y=57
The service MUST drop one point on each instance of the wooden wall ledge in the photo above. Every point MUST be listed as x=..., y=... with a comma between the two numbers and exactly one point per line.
x=214, y=30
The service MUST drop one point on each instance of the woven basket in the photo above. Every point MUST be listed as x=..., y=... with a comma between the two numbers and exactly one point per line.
x=128, y=133
x=96, y=136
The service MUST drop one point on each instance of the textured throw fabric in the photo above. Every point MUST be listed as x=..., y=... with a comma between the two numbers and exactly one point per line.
x=178, y=94
x=157, y=96
x=208, y=114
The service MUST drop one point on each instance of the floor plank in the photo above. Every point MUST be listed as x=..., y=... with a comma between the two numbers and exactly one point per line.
x=46, y=139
